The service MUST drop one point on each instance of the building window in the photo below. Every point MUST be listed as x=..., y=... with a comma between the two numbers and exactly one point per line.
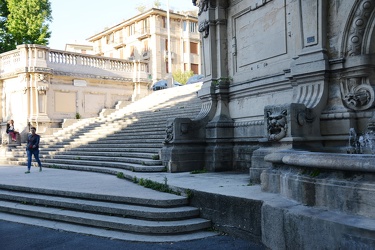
x=184, y=26
x=193, y=27
x=194, y=67
x=164, y=22
x=166, y=44
x=131, y=50
x=145, y=24
x=166, y=67
x=193, y=48
x=109, y=38
x=145, y=45
x=132, y=29
x=122, y=53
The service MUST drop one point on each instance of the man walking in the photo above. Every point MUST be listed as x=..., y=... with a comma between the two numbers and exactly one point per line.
x=32, y=148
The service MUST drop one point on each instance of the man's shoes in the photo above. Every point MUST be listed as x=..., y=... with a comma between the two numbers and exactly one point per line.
x=27, y=172
x=40, y=169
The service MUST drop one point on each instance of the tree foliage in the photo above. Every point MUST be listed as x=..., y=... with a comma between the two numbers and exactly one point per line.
x=24, y=22
x=182, y=77
x=6, y=42
x=141, y=8
x=157, y=4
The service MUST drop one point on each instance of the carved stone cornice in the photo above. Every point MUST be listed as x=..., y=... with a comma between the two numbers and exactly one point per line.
x=78, y=75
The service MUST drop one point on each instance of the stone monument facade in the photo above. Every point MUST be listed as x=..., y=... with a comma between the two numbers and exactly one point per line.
x=288, y=95
x=279, y=74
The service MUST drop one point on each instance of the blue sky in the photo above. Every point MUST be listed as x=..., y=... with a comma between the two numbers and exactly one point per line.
x=77, y=20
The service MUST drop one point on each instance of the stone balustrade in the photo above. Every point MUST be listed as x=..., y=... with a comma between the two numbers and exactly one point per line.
x=41, y=58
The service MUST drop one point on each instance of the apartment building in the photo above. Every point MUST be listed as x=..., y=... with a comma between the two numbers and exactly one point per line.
x=145, y=38
x=82, y=48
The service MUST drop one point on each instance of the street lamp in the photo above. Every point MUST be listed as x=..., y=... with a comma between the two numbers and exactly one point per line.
x=169, y=47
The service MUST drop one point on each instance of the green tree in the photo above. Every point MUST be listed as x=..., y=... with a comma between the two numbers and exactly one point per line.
x=28, y=21
x=182, y=77
x=157, y=4
x=6, y=41
x=141, y=8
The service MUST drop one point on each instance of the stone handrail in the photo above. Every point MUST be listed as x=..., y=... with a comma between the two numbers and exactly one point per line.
x=41, y=58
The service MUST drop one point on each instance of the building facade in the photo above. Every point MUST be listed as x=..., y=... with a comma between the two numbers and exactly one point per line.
x=145, y=38
x=42, y=87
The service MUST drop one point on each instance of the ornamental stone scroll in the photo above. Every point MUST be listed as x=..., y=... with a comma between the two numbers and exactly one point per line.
x=357, y=94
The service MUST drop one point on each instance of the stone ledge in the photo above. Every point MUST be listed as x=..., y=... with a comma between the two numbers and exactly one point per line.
x=333, y=161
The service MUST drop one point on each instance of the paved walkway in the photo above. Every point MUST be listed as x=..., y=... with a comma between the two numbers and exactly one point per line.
x=225, y=183
x=231, y=184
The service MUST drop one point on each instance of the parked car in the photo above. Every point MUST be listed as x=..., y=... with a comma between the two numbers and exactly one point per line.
x=163, y=84
x=195, y=79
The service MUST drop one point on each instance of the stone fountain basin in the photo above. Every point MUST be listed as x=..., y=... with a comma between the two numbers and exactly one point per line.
x=333, y=161
x=341, y=182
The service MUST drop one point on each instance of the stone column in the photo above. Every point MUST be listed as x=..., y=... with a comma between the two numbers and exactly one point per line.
x=219, y=131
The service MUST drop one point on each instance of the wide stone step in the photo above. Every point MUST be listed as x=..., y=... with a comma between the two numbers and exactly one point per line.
x=150, y=116
x=111, y=234
x=128, y=144
x=171, y=201
x=140, y=132
x=100, y=159
x=106, y=168
x=132, y=136
x=110, y=149
x=109, y=154
x=106, y=221
x=102, y=207
x=106, y=144
x=128, y=140
x=103, y=150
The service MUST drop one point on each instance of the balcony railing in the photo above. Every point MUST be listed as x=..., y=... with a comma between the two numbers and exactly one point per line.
x=166, y=54
x=33, y=58
x=143, y=33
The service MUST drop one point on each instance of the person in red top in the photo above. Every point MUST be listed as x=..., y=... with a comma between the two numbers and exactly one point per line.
x=32, y=148
x=11, y=130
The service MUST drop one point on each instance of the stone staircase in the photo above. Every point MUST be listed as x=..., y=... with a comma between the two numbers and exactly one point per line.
x=129, y=138
x=128, y=218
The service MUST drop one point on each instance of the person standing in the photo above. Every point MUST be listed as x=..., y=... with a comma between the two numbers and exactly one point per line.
x=32, y=148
